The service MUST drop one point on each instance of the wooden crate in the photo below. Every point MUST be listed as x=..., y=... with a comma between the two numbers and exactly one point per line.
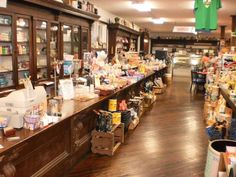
x=159, y=90
x=134, y=123
x=107, y=143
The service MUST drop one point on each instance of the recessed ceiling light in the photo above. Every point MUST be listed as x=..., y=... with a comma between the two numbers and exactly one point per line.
x=158, y=21
x=141, y=6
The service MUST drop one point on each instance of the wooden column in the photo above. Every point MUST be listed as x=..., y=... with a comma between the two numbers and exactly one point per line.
x=233, y=38
x=222, y=31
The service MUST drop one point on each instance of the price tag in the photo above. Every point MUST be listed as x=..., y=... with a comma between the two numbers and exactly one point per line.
x=3, y=3
x=67, y=89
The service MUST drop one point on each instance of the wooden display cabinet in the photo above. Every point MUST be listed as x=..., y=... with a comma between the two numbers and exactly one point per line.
x=41, y=52
x=33, y=34
x=85, y=40
x=71, y=45
x=54, y=45
x=23, y=47
x=121, y=38
x=144, y=42
x=7, y=55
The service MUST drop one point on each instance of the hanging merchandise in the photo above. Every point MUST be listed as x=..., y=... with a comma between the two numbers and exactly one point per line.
x=206, y=14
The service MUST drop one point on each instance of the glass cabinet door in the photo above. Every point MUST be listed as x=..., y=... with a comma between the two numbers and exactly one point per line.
x=53, y=46
x=41, y=50
x=6, y=52
x=85, y=42
x=76, y=42
x=67, y=50
x=23, y=52
x=67, y=41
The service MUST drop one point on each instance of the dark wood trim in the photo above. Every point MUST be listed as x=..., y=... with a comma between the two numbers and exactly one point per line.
x=118, y=26
x=62, y=7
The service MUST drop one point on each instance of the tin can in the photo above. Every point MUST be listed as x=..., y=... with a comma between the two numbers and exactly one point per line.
x=112, y=106
x=116, y=118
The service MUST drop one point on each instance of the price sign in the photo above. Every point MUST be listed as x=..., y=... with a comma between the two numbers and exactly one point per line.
x=3, y=3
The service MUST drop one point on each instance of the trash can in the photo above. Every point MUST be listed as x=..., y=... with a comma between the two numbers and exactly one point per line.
x=215, y=159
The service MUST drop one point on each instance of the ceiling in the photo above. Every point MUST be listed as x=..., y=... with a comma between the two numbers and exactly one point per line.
x=175, y=12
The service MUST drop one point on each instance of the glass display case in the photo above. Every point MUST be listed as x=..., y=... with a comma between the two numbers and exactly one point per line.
x=67, y=41
x=76, y=41
x=23, y=48
x=85, y=40
x=6, y=51
x=41, y=50
x=54, y=32
x=68, y=53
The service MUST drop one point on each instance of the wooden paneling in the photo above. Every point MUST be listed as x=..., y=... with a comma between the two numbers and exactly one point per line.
x=38, y=155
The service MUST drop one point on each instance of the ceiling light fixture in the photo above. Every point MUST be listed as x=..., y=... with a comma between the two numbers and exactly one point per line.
x=158, y=21
x=141, y=6
x=184, y=29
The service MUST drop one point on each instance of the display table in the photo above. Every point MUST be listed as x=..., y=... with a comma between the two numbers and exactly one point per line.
x=53, y=150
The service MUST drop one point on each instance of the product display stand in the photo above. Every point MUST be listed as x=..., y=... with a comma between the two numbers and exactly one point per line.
x=107, y=143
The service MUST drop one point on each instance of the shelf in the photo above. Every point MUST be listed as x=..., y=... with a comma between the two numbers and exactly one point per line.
x=9, y=25
x=228, y=100
x=5, y=55
x=41, y=67
x=25, y=27
x=42, y=79
x=6, y=72
x=22, y=42
x=99, y=49
x=5, y=41
x=41, y=29
x=41, y=42
x=26, y=54
x=23, y=69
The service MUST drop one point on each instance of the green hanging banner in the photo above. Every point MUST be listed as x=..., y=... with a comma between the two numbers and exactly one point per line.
x=206, y=14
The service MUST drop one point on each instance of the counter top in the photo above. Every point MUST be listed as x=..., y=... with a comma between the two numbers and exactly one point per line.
x=69, y=109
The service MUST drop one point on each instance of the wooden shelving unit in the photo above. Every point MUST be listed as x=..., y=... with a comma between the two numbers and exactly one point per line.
x=117, y=30
x=24, y=17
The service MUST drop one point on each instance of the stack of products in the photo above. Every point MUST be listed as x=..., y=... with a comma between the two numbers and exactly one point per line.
x=217, y=115
x=5, y=36
x=104, y=121
x=5, y=50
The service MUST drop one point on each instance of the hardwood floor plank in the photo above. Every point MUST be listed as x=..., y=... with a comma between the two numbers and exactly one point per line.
x=169, y=141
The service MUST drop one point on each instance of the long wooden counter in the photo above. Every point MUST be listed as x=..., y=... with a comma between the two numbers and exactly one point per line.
x=53, y=150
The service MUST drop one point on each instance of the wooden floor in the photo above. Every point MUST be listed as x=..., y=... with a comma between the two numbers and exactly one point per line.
x=169, y=142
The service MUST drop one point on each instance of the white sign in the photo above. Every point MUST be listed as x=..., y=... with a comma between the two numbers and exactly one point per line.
x=3, y=3
x=67, y=89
